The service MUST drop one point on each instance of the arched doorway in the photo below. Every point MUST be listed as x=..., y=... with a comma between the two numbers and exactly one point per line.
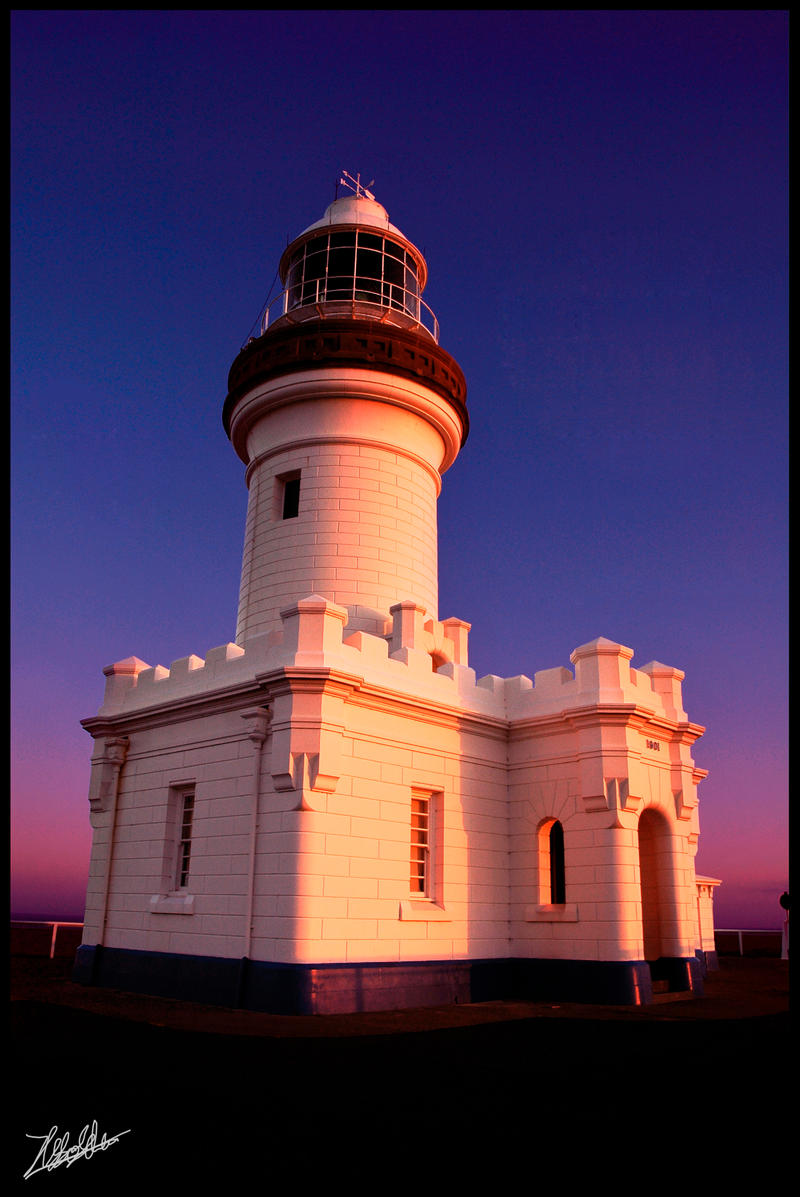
x=657, y=879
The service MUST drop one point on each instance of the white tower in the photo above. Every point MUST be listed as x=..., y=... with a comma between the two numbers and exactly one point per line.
x=346, y=412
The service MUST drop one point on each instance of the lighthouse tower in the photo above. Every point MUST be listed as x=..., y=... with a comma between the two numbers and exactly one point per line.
x=346, y=412
x=332, y=812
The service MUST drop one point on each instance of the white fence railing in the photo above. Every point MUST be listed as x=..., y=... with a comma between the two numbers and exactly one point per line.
x=759, y=939
x=762, y=941
x=22, y=924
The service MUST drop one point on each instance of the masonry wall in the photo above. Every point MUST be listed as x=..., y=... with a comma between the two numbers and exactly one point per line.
x=705, y=914
x=369, y=448
x=336, y=888
x=365, y=533
x=332, y=883
x=215, y=756
x=623, y=785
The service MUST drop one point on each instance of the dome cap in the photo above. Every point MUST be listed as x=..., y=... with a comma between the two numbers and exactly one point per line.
x=356, y=209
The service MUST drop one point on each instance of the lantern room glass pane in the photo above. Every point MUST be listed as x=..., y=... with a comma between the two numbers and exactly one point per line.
x=314, y=266
x=369, y=263
x=370, y=241
x=293, y=281
x=394, y=282
x=313, y=273
x=411, y=297
x=341, y=263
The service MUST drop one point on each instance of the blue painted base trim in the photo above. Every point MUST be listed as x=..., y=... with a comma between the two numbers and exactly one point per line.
x=598, y=982
x=709, y=961
x=344, y=989
x=680, y=973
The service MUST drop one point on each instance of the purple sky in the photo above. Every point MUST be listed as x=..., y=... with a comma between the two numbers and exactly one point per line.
x=602, y=201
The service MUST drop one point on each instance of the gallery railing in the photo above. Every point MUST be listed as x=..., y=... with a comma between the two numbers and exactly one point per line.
x=352, y=296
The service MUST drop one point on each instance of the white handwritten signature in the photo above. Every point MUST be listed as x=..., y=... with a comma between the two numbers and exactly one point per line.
x=61, y=1153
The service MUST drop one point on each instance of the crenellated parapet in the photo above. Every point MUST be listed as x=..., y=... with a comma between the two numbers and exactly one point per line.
x=420, y=655
x=132, y=684
x=603, y=675
x=633, y=738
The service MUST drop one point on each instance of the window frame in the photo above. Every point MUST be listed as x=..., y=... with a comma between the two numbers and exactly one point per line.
x=175, y=896
x=183, y=862
x=551, y=878
x=551, y=860
x=421, y=835
x=282, y=481
x=558, y=883
x=426, y=906
x=291, y=498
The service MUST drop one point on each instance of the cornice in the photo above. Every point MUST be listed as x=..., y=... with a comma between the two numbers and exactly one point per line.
x=365, y=344
x=176, y=710
x=370, y=695
x=619, y=714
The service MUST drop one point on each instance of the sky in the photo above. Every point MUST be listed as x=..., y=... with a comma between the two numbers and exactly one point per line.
x=601, y=197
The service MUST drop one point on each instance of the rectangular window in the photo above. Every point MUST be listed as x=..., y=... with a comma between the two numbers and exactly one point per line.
x=426, y=888
x=420, y=870
x=185, y=840
x=291, y=498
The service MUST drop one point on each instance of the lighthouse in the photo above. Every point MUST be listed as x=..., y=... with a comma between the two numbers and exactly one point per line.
x=346, y=412
x=332, y=812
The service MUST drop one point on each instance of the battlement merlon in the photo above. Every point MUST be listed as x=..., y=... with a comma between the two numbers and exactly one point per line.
x=312, y=628
x=603, y=667
x=445, y=641
x=666, y=682
x=121, y=677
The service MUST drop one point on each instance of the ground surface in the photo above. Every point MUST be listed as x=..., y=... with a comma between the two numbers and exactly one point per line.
x=211, y=1096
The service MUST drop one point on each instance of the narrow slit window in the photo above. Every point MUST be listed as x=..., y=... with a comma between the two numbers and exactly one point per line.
x=552, y=873
x=557, y=885
x=291, y=498
x=185, y=840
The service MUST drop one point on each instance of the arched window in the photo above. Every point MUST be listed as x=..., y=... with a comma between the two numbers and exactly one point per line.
x=557, y=888
x=552, y=887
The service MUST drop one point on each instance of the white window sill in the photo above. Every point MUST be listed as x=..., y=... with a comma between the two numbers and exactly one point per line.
x=178, y=903
x=422, y=911
x=566, y=913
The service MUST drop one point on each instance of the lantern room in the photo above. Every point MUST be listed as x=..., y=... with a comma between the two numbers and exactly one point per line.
x=353, y=262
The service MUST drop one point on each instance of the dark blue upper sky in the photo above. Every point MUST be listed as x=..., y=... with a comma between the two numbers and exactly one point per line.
x=602, y=201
